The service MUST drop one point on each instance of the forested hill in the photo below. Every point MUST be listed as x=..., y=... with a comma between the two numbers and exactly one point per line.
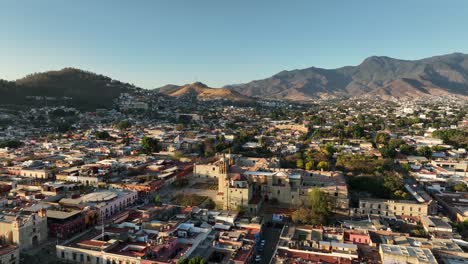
x=76, y=87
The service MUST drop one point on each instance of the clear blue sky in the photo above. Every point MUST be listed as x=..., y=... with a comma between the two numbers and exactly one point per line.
x=152, y=43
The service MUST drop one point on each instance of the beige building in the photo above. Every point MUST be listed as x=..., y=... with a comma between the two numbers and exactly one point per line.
x=392, y=208
x=247, y=182
x=96, y=251
x=406, y=255
x=24, y=230
x=30, y=173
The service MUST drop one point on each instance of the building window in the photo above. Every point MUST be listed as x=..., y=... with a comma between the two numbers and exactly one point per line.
x=278, y=191
x=63, y=254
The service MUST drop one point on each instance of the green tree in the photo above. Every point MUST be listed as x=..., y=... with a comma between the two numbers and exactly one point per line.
x=157, y=200
x=323, y=165
x=309, y=165
x=194, y=260
x=317, y=210
x=124, y=124
x=329, y=150
x=460, y=187
x=425, y=151
x=300, y=163
x=10, y=144
x=102, y=135
x=382, y=138
x=388, y=152
x=407, y=150
x=210, y=204
x=406, y=167
x=150, y=145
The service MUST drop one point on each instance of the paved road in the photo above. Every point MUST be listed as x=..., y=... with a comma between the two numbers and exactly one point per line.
x=271, y=236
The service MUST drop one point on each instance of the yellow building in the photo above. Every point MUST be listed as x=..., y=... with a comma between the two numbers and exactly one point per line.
x=24, y=230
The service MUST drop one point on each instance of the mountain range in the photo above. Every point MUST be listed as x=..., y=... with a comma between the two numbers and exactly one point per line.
x=376, y=76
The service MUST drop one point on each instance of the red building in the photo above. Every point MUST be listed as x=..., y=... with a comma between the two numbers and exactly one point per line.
x=64, y=224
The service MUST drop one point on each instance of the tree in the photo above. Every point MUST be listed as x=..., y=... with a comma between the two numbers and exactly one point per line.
x=210, y=204
x=300, y=164
x=460, y=187
x=317, y=210
x=102, y=135
x=357, y=131
x=10, y=144
x=124, y=124
x=329, y=150
x=301, y=215
x=395, y=143
x=406, y=167
x=309, y=165
x=407, y=150
x=458, y=138
x=425, y=151
x=323, y=165
x=388, y=152
x=157, y=200
x=382, y=138
x=150, y=145
x=194, y=260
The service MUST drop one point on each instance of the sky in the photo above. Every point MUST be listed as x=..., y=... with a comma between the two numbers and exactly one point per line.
x=152, y=43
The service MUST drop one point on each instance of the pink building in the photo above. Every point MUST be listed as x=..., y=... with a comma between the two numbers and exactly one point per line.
x=358, y=237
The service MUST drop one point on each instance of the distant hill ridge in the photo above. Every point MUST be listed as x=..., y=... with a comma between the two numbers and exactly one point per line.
x=202, y=92
x=376, y=76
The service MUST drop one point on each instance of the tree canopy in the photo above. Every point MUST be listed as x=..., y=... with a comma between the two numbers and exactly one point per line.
x=150, y=145
x=194, y=260
x=316, y=212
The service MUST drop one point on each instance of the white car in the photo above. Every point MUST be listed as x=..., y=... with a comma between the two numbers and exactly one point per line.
x=258, y=258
